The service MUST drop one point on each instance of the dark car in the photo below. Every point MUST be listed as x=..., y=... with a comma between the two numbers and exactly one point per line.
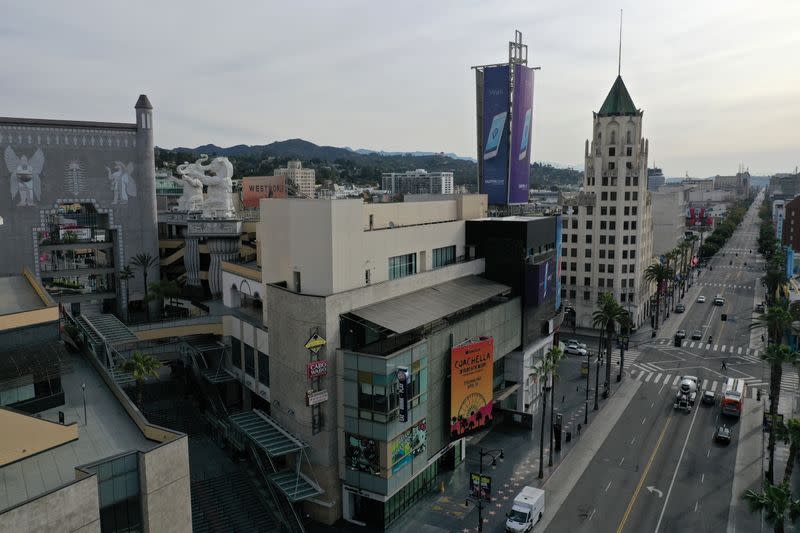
x=681, y=334
x=680, y=308
x=723, y=434
x=697, y=335
x=709, y=398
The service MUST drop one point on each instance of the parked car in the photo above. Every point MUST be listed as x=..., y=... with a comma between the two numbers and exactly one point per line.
x=575, y=342
x=680, y=308
x=709, y=398
x=681, y=334
x=573, y=349
x=701, y=299
x=723, y=434
x=697, y=335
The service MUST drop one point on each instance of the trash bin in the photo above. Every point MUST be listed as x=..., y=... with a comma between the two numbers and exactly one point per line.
x=568, y=437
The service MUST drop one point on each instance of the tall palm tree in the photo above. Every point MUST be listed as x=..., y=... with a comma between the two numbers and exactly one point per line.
x=789, y=431
x=605, y=319
x=775, y=355
x=777, y=503
x=683, y=250
x=141, y=366
x=543, y=373
x=773, y=280
x=126, y=274
x=144, y=262
x=163, y=289
x=777, y=320
x=555, y=355
x=671, y=257
x=625, y=325
x=657, y=273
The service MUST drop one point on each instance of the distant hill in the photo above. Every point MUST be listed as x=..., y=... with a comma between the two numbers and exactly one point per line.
x=362, y=167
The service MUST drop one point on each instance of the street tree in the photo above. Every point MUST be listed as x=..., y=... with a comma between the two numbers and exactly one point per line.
x=605, y=319
x=789, y=431
x=555, y=355
x=542, y=373
x=775, y=355
x=144, y=262
x=141, y=366
x=777, y=503
x=657, y=273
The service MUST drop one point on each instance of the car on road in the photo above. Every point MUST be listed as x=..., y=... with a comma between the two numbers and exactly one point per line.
x=701, y=299
x=681, y=334
x=709, y=398
x=760, y=308
x=573, y=349
x=697, y=335
x=723, y=434
x=575, y=342
x=680, y=308
x=719, y=300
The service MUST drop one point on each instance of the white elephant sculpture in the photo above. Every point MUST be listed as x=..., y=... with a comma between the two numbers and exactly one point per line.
x=215, y=175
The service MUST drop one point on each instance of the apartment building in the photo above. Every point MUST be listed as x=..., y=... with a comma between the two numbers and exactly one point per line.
x=418, y=181
x=302, y=180
x=607, y=229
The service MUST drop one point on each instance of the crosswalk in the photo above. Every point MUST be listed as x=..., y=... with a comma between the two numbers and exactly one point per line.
x=725, y=285
x=751, y=354
x=669, y=381
x=630, y=357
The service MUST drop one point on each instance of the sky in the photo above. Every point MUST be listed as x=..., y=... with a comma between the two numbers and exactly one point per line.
x=717, y=80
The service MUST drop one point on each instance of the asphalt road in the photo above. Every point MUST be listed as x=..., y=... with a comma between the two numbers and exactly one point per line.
x=659, y=469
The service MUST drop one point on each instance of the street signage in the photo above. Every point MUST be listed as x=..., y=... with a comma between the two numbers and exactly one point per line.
x=480, y=486
x=403, y=391
x=313, y=397
x=315, y=343
x=317, y=369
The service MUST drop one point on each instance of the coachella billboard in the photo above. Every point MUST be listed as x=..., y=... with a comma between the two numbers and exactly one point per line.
x=471, y=375
x=521, y=129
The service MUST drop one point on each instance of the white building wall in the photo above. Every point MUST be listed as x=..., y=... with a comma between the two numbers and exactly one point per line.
x=669, y=219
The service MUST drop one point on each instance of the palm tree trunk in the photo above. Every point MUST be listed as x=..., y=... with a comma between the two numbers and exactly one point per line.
x=658, y=302
x=774, y=397
x=597, y=369
x=139, y=387
x=552, y=404
x=541, y=434
x=609, y=336
x=787, y=473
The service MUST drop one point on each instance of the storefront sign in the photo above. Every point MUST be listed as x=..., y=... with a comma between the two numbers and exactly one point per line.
x=403, y=391
x=313, y=397
x=317, y=369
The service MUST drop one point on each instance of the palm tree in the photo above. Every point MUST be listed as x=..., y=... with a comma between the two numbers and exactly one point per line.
x=672, y=258
x=657, y=273
x=543, y=373
x=777, y=320
x=144, y=262
x=163, y=289
x=555, y=355
x=683, y=249
x=126, y=274
x=625, y=325
x=141, y=366
x=773, y=280
x=605, y=319
x=777, y=503
x=789, y=431
x=775, y=355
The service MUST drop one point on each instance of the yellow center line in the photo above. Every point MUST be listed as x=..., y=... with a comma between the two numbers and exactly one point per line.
x=644, y=476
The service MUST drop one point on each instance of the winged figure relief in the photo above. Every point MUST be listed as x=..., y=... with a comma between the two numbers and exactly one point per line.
x=25, y=180
x=122, y=184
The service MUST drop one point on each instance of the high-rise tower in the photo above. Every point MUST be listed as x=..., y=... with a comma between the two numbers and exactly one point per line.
x=607, y=237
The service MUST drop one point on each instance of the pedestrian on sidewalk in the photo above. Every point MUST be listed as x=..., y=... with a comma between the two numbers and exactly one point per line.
x=579, y=429
x=724, y=366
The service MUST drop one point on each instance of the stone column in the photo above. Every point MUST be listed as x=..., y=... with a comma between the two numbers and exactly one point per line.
x=191, y=260
x=220, y=249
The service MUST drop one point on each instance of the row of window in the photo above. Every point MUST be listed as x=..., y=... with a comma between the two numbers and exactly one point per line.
x=604, y=210
x=604, y=254
x=378, y=395
x=404, y=265
x=611, y=224
x=612, y=196
x=587, y=267
x=249, y=360
x=587, y=295
x=604, y=239
x=613, y=137
x=601, y=282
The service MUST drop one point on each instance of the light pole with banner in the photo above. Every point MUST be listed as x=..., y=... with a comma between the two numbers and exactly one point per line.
x=480, y=486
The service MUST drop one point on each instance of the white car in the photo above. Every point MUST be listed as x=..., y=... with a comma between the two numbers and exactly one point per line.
x=574, y=349
x=574, y=342
x=701, y=299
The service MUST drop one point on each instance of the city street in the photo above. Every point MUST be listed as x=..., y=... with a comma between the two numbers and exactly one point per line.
x=660, y=469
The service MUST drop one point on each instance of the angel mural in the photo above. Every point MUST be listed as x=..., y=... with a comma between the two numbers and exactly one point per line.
x=122, y=182
x=25, y=180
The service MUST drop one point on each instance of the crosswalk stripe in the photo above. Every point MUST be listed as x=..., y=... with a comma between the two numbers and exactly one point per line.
x=705, y=383
x=740, y=350
x=658, y=378
x=666, y=379
x=691, y=345
x=677, y=379
x=714, y=387
x=723, y=347
x=639, y=377
x=647, y=379
x=753, y=392
x=732, y=348
x=715, y=347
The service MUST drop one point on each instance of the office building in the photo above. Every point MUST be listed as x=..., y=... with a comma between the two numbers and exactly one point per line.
x=655, y=179
x=608, y=228
x=80, y=206
x=790, y=231
x=301, y=181
x=669, y=218
x=739, y=184
x=418, y=182
x=778, y=217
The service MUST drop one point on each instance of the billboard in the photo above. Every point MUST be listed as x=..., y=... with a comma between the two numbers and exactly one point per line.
x=408, y=445
x=361, y=453
x=558, y=262
x=697, y=216
x=471, y=374
x=494, y=137
x=256, y=187
x=521, y=133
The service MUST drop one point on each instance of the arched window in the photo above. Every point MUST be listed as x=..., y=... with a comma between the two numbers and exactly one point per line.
x=613, y=137
x=629, y=139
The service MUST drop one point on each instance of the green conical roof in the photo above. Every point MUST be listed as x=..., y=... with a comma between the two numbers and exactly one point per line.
x=618, y=101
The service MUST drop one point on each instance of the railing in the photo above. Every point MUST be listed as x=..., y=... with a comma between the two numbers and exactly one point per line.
x=280, y=500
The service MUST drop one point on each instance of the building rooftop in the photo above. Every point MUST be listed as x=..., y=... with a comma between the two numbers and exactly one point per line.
x=17, y=295
x=107, y=432
x=618, y=101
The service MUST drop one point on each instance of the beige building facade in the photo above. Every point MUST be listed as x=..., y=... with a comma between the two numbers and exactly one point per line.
x=303, y=179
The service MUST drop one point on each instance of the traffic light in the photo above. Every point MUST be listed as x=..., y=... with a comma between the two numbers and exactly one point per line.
x=724, y=317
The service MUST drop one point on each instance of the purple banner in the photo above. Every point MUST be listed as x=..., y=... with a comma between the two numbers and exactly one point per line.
x=521, y=130
x=494, y=141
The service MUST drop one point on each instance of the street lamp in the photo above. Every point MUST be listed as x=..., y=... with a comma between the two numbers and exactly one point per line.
x=597, y=382
x=586, y=403
x=83, y=388
x=495, y=454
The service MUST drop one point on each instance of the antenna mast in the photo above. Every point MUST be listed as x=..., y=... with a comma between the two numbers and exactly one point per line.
x=619, y=57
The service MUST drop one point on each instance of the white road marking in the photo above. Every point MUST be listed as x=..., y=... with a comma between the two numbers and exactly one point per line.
x=723, y=347
x=714, y=387
x=608, y=486
x=645, y=418
x=591, y=515
x=649, y=376
x=740, y=350
x=702, y=479
x=705, y=384
x=691, y=345
x=621, y=461
x=633, y=440
x=695, y=505
x=677, y=379
x=715, y=347
x=708, y=453
x=666, y=379
x=658, y=378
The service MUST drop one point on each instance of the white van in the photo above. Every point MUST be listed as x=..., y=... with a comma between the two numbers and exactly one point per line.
x=527, y=510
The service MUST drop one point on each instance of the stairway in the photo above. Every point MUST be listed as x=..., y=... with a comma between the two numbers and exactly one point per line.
x=229, y=504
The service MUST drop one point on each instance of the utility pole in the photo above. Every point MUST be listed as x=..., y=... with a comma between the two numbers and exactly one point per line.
x=85, y=420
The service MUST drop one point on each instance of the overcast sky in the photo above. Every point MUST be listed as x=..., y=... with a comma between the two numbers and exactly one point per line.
x=718, y=80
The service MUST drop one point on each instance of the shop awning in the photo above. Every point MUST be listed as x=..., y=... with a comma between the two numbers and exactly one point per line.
x=416, y=309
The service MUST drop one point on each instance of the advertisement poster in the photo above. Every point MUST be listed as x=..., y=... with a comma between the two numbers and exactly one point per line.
x=408, y=445
x=480, y=486
x=495, y=134
x=699, y=217
x=361, y=454
x=558, y=261
x=521, y=133
x=471, y=374
x=546, y=282
x=256, y=187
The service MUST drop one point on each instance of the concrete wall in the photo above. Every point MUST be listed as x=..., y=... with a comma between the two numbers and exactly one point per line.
x=669, y=219
x=165, y=488
x=71, y=508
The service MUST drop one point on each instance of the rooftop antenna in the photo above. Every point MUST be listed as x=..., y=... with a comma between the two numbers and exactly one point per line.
x=619, y=57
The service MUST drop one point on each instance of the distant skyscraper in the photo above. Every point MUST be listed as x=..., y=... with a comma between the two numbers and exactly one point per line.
x=655, y=178
x=607, y=234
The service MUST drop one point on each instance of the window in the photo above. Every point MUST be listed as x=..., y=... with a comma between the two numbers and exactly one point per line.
x=625, y=225
x=572, y=280
x=587, y=295
x=603, y=224
x=118, y=491
x=565, y=223
x=627, y=196
x=612, y=239
x=572, y=294
x=604, y=181
x=249, y=360
x=629, y=151
x=602, y=253
x=263, y=368
x=636, y=181
x=601, y=268
x=563, y=294
x=613, y=137
x=633, y=255
x=612, y=225
x=574, y=238
x=604, y=196
x=603, y=210
x=587, y=281
x=588, y=239
x=634, y=210
x=610, y=165
x=633, y=239
x=612, y=211
x=602, y=239
x=401, y=266
x=563, y=280
x=613, y=197
x=236, y=353
x=574, y=252
x=624, y=281
x=589, y=209
x=633, y=225
x=625, y=239
x=563, y=252
x=635, y=196
x=611, y=254
x=563, y=237
x=574, y=223
x=611, y=151
x=588, y=224
x=624, y=254
x=601, y=282
x=587, y=252
x=624, y=271
x=628, y=138
x=444, y=256
x=563, y=265
x=610, y=268
x=622, y=297
x=627, y=181
x=610, y=283
x=587, y=267
x=573, y=266
x=630, y=269
x=627, y=211
x=628, y=164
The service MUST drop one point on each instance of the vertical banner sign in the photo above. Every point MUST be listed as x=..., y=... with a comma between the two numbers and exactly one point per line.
x=471, y=374
x=521, y=133
x=558, y=262
x=494, y=139
x=403, y=391
x=480, y=486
